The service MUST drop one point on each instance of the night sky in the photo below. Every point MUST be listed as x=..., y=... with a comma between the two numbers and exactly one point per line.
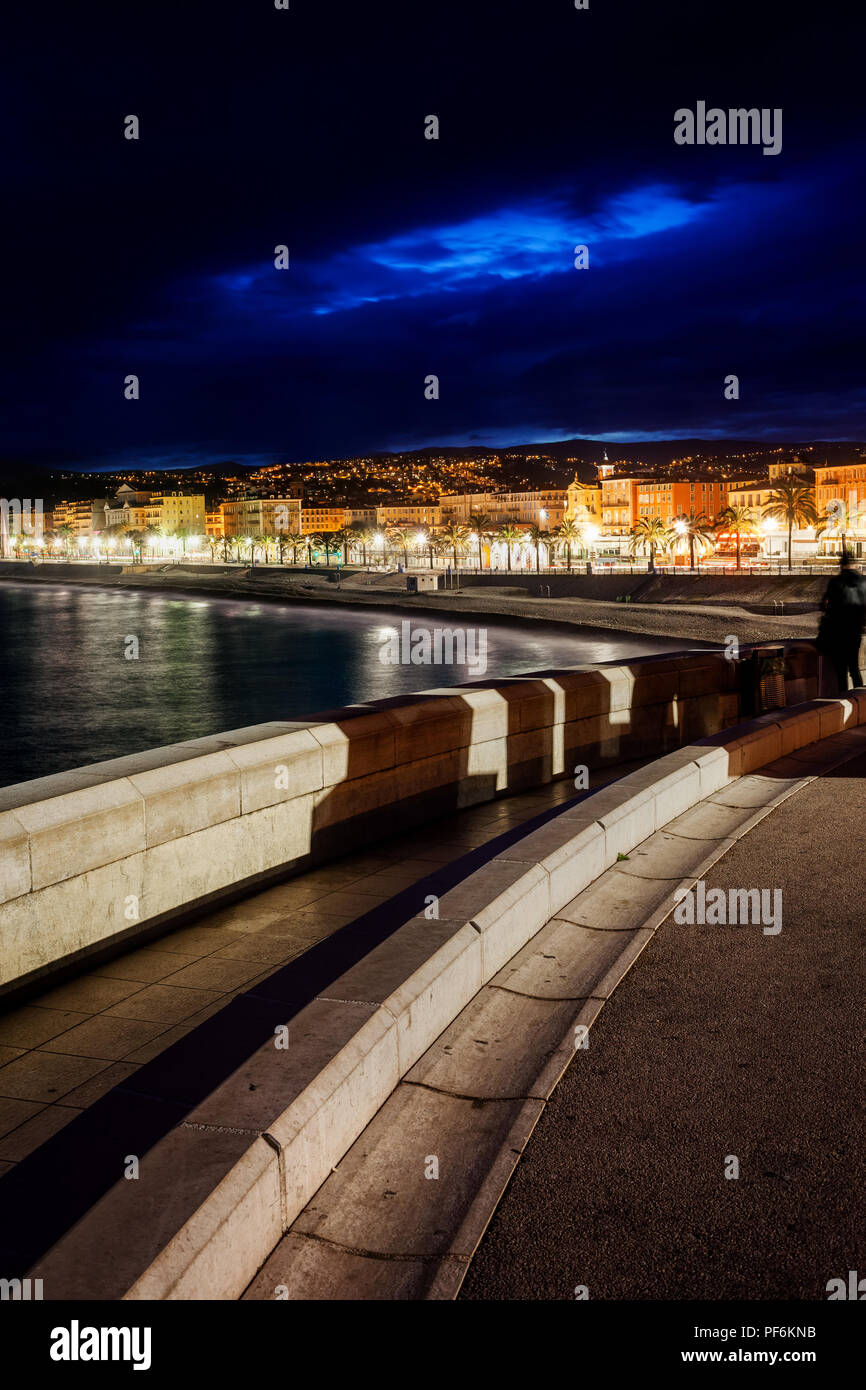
x=411, y=256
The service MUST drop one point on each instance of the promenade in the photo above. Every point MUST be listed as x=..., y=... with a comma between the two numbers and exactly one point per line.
x=721, y=1041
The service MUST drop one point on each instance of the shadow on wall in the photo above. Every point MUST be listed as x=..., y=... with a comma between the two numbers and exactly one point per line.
x=407, y=761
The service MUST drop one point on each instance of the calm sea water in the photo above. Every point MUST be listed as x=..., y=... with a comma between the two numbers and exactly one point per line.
x=208, y=665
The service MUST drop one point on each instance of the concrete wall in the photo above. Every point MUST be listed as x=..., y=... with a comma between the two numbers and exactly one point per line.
x=91, y=858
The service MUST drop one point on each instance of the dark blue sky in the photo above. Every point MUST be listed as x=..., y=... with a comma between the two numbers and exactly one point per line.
x=410, y=256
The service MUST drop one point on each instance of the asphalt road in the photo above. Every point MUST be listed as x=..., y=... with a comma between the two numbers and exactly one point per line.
x=721, y=1041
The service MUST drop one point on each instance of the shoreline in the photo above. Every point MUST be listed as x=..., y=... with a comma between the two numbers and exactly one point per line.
x=705, y=624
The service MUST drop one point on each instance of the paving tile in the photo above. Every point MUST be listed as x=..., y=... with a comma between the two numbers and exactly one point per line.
x=30, y=1026
x=214, y=974
x=375, y=1201
x=754, y=790
x=8, y=1054
x=666, y=855
x=301, y=1268
x=27, y=1137
x=145, y=965
x=92, y=1090
x=496, y=1047
x=162, y=1004
x=709, y=820
x=562, y=961
x=89, y=994
x=618, y=902
x=5, y=1167
x=46, y=1076
x=197, y=941
x=104, y=1037
x=258, y=948
x=15, y=1112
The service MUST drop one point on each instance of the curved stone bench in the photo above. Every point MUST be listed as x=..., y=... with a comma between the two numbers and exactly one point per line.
x=216, y=1194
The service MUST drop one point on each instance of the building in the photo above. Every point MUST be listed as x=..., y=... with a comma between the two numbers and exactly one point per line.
x=87, y=518
x=690, y=497
x=360, y=518
x=128, y=508
x=213, y=521
x=840, y=500
x=545, y=508
x=754, y=497
x=618, y=504
x=409, y=516
x=583, y=503
x=261, y=516
x=174, y=512
x=322, y=521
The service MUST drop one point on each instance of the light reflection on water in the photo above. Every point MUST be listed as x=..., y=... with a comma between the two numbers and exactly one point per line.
x=209, y=665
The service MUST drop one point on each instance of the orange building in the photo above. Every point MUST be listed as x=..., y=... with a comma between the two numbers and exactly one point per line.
x=840, y=492
x=690, y=497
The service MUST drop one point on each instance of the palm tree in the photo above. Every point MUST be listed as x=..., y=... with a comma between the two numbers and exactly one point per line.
x=694, y=531
x=137, y=540
x=510, y=536
x=401, y=540
x=649, y=533
x=479, y=525
x=291, y=538
x=66, y=532
x=312, y=540
x=571, y=533
x=794, y=504
x=454, y=537
x=537, y=538
x=349, y=535
x=738, y=521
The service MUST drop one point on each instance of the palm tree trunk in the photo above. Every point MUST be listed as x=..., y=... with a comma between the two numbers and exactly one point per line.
x=790, y=542
x=691, y=552
x=508, y=551
x=738, y=550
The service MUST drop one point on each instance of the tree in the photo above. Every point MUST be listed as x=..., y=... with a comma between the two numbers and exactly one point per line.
x=479, y=525
x=136, y=538
x=400, y=539
x=311, y=541
x=509, y=536
x=366, y=536
x=738, y=522
x=454, y=537
x=695, y=532
x=349, y=535
x=537, y=538
x=570, y=533
x=66, y=533
x=649, y=533
x=792, y=503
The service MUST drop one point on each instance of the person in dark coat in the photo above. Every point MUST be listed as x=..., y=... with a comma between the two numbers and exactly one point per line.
x=844, y=618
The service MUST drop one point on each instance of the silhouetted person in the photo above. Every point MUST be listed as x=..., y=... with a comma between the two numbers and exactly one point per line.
x=841, y=629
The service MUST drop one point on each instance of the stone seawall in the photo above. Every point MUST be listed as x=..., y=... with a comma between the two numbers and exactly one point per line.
x=92, y=858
